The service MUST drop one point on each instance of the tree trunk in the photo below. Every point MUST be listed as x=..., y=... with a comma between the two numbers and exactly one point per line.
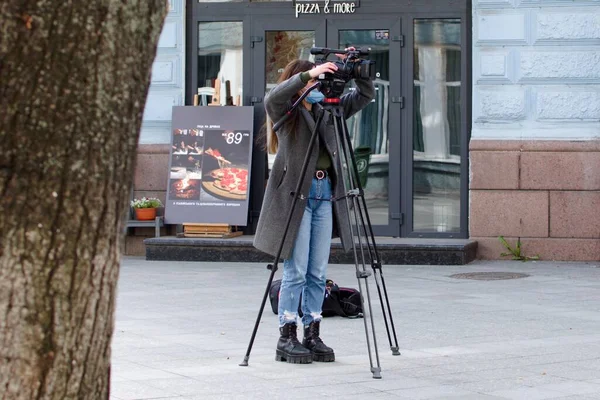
x=74, y=76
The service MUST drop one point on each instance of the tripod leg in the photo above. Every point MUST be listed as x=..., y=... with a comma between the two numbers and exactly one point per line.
x=375, y=259
x=376, y=266
x=364, y=274
x=361, y=273
x=273, y=267
x=381, y=288
x=383, y=297
x=394, y=347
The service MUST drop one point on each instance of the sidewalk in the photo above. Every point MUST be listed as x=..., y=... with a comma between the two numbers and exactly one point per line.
x=182, y=328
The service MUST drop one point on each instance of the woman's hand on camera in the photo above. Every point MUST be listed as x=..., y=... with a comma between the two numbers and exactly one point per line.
x=327, y=67
x=343, y=56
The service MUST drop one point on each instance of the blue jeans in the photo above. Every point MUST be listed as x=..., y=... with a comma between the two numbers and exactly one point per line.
x=305, y=272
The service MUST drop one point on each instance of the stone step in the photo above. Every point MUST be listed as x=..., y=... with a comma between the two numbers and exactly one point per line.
x=399, y=251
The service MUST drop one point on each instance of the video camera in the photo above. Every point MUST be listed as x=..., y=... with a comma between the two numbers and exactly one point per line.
x=351, y=67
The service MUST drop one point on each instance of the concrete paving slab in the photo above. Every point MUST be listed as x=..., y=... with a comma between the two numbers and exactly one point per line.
x=182, y=328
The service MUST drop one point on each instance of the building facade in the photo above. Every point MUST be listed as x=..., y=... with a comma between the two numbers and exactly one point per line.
x=535, y=148
x=485, y=123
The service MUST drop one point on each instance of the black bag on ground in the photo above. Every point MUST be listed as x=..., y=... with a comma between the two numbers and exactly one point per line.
x=341, y=301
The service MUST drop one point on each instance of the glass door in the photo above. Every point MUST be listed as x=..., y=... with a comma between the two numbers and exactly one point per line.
x=414, y=136
x=438, y=128
x=275, y=42
x=375, y=131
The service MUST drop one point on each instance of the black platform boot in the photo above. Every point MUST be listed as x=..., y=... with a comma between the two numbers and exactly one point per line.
x=289, y=348
x=312, y=341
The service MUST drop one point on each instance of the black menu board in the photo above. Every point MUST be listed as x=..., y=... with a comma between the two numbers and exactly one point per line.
x=209, y=165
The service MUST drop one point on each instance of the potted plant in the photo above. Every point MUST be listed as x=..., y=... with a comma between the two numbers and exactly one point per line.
x=145, y=208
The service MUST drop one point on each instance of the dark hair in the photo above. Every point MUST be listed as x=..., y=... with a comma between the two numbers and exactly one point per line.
x=290, y=70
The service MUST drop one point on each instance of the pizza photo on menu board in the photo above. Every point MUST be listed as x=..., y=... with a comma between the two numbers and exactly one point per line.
x=225, y=165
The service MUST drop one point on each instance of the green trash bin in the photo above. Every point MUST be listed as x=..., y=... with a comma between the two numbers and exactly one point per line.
x=362, y=155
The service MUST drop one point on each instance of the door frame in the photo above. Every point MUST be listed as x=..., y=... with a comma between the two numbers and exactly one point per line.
x=405, y=11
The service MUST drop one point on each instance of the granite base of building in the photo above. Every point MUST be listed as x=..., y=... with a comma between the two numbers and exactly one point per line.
x=392, y=251
x=545, y=194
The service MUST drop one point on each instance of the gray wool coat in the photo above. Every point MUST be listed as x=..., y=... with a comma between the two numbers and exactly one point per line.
x=288, y=166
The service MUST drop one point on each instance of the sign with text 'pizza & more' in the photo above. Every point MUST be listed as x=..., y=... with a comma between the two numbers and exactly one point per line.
x=209, y=165
x=324, y=7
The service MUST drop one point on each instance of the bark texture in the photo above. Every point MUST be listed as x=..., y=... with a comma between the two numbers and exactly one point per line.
x=74, y=76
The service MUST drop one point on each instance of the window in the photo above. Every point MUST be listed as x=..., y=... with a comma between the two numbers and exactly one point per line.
x=220, y=60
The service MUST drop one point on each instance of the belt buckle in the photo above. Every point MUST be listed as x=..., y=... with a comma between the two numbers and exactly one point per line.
x=320, y=174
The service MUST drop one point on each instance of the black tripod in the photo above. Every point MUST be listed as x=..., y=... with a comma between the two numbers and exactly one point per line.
x=363, y=239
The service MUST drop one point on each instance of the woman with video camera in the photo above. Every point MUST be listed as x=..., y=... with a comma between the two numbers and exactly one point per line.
x=317, y=217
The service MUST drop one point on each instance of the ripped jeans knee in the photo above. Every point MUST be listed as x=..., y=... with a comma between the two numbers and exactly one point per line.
x=288, y=317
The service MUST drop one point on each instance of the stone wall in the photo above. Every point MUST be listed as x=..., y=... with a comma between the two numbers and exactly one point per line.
x=535, y=146
x=545, y=192
x=150, y=180
x=168, y=78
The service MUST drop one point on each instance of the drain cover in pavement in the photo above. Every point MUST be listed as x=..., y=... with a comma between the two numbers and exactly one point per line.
x=489, y=276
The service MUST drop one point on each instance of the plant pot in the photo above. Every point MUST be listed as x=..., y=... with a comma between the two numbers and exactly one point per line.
x=145, y=214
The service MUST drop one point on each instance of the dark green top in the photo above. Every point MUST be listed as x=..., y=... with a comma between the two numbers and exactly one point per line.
x=324, y=161
x=305, y=77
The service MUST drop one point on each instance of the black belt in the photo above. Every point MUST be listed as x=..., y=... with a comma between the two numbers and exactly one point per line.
x=321, y=174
